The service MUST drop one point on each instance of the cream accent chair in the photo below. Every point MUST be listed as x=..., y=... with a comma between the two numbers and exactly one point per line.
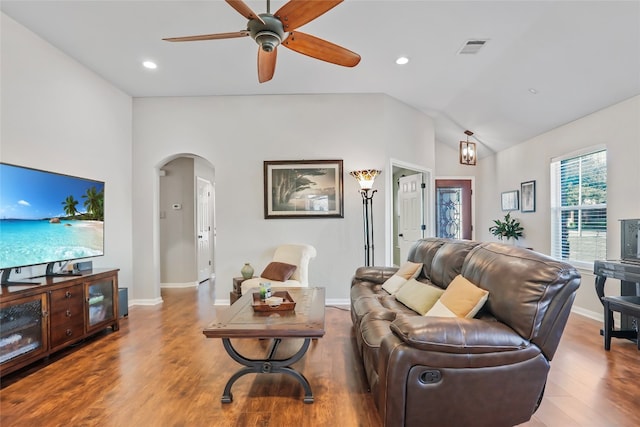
x=298, y=255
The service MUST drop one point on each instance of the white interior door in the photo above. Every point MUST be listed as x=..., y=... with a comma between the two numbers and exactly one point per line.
x=410, y=212
x=204, y=232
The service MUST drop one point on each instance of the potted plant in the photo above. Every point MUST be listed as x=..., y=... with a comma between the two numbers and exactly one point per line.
x=509, y=228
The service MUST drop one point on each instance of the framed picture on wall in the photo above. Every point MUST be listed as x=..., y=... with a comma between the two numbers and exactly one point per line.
x=303, y=189
x=510, y=200
x=528, y=191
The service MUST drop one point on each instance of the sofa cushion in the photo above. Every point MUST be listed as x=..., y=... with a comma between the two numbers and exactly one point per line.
x=278, y=271
x=461, y=299
x=423, y=251
x=365, y=305
x=458, y=335
x=447, y=262
x=366, y=289
x=530, y=302
x=418, y=296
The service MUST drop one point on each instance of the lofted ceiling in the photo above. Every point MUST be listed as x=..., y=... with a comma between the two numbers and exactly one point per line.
x=577, y=56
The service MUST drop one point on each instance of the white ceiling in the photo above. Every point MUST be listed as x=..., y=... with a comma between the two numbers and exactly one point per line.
x=580, y=56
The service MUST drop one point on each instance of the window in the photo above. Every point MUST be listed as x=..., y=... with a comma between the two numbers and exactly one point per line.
x=579, y=208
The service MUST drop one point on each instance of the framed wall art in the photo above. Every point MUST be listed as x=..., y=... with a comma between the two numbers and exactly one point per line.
x=528, y=192
x=303, y=189
x=510, y=200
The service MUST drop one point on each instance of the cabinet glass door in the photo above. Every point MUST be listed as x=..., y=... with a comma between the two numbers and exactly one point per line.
x=22, y=328
x=100, y=302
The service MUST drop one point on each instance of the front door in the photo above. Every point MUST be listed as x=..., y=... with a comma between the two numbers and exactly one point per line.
x=453, y=208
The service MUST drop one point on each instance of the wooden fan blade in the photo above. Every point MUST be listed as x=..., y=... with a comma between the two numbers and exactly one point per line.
x=266, y=64
x=244, y=10
x=296, y=13
x=323, y=50
x=243, y=33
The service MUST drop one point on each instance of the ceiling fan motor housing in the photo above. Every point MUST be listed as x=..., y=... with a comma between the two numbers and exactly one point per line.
x=268, y=35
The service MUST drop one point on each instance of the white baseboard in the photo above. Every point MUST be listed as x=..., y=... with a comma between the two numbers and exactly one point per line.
x=599, y=316
x=179, y=285
x=345, y=302
x=154, y=301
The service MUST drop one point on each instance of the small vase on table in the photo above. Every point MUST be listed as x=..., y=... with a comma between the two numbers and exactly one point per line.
x=247, y=271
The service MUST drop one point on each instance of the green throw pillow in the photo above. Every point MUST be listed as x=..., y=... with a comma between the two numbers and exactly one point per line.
x=418, y=296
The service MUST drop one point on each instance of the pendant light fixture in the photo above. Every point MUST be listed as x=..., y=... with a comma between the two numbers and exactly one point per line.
x=468, y=153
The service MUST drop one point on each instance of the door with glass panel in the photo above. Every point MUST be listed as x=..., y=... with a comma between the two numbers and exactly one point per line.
x=453, y=208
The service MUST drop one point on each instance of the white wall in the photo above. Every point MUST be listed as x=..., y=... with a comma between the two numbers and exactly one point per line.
x=178, y=256
x=617, y=127
x=236, y=134
x=59, y=116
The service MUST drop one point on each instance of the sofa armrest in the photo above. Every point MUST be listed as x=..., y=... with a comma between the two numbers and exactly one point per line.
x=373, y=274
x=456, y=335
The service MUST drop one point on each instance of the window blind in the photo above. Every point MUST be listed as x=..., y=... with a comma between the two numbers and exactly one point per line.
x=579, y=208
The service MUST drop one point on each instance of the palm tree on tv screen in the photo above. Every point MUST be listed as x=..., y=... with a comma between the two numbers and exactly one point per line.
x=70, y=204
x=94, y=202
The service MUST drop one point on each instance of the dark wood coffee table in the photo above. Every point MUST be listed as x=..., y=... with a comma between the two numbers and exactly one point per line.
x=305, y=321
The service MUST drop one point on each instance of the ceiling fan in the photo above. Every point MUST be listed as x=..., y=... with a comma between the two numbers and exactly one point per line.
x=269, y=30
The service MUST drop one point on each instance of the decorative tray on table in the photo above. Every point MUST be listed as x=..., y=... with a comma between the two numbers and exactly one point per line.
x=279, y=301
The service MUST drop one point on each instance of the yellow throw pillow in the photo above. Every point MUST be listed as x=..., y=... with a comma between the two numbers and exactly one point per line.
x=419, y=297
x=409, y=270
x=461, y=299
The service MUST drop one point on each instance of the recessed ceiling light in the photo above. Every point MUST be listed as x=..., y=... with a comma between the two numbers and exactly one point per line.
x=150, y=65
x=402, y=60
x=533, y=91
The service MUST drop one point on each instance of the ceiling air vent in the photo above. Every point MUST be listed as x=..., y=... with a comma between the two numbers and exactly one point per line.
x=471, y=47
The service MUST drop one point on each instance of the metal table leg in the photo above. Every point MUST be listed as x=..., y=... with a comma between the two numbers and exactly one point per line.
x=270, y=365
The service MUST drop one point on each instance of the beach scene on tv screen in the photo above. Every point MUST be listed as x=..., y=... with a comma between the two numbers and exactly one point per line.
x=47, y=217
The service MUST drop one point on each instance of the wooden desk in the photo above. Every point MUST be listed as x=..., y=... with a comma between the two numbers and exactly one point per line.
x=629, y=305
x=629, y=275
x=241, y=321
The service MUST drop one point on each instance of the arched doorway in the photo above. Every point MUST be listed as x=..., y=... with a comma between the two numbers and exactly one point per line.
x=186, y=221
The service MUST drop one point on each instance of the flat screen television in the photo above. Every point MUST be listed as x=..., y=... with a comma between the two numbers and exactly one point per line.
x=48, y=218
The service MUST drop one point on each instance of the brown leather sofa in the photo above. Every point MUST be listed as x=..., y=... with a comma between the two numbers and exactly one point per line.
x=489, y=370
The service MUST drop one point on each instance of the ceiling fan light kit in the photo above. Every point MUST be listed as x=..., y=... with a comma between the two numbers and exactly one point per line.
x=269, y=30
x=269, y=34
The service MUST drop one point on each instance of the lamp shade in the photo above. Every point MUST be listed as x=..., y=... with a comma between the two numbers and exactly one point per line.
x=365, y=177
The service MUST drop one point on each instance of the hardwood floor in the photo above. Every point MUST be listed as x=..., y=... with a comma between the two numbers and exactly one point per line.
x=160, y=370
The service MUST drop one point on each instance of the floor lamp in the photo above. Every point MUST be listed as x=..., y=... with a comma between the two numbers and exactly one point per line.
x=365, y=178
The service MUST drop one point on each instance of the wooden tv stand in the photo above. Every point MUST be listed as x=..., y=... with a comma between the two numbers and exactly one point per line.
x=46, y=314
